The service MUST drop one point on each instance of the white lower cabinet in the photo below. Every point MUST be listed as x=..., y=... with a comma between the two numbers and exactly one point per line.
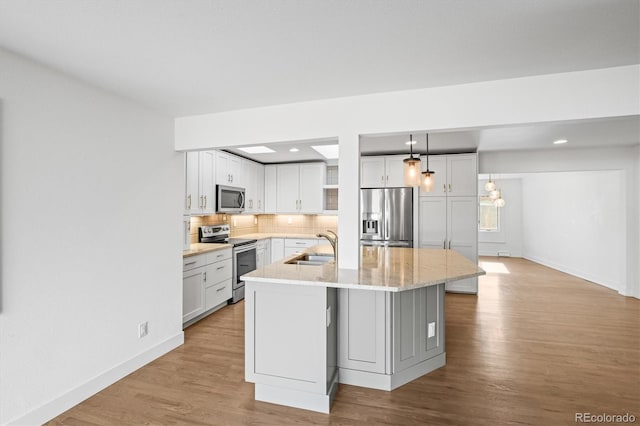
x=277, y=249
x=296, y=245
x=206, y=284
x=263, y=253
x=387, y=339
x=192, y=293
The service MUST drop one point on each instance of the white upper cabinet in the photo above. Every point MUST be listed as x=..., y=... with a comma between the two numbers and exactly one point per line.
x=250, y=177
x=394, y=168
x=200, y=183
x=300, y=188
x=382, y=171
x=260, y=188
x=270, y=188
x=311, y=191
x=253, y=181
x=288, y=185
x=228, y=169
x=372, y=172
x=192, y=192
x=456, y=175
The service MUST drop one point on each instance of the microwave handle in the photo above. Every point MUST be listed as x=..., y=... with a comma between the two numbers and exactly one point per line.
x=241, y=199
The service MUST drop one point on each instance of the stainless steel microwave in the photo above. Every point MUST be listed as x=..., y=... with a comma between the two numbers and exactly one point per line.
x=230, y=199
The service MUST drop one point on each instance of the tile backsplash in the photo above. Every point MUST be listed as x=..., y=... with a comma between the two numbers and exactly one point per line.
x=249, y=224
x=297, y=224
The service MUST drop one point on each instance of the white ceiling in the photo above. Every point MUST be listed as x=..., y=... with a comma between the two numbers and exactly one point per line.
x=609, y=132
x=189, y=57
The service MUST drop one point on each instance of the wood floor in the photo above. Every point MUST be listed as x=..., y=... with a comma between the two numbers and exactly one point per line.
x=535, y=347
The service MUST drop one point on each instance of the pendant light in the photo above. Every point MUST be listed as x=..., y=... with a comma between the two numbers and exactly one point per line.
x=490, y=186
x=411, y=167
x=426, y=181
x=499, y=202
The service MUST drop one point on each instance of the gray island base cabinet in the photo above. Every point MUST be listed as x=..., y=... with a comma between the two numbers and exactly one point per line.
x=386, y=340
x=308, y=328
x=290, y=351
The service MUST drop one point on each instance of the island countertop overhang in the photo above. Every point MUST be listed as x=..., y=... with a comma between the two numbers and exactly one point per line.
x=389, y=269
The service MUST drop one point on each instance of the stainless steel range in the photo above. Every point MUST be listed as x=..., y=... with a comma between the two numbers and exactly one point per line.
x=244, y=254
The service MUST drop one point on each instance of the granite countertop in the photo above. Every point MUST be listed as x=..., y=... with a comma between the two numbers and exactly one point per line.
x=381, y=268
x=264, y=235
x=201, y=248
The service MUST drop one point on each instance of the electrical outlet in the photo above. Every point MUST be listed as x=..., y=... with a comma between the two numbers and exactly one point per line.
x=432, y=330
x=143, y=329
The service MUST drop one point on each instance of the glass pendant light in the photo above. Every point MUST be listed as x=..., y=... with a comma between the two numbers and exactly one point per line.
x=426, y=181
x=494, y=195
x=490, y=186
x=499, y=202
x=411, y=167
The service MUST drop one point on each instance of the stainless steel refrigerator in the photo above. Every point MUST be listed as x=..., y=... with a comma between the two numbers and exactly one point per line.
x=386, y=217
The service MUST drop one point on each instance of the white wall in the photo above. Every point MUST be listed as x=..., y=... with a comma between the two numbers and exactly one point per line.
x=575, y=222
x=91, y=243
x=509, y=237
x=622, y=159
x=578, y=95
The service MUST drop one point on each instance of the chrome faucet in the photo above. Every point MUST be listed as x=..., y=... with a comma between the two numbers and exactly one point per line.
x=332, y=240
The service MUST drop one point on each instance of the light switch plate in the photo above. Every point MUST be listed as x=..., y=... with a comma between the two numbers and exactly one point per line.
x=432, y=330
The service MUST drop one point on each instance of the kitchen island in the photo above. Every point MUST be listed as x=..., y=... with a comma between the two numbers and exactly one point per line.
x=310, y=327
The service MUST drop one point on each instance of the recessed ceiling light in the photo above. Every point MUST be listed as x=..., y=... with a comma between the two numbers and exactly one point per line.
x=328, y=151
x=294, y=150
x=560, y=141
x=256, y=150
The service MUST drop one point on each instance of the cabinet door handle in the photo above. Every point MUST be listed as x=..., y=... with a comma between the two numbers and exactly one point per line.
x=220, y=255
x=190, y=263
x=219, y=267
x=189, y=201
x=205, y=201
x=444, y=187
x=232, y=178
x=221, y=288
x=444, y=244
x=387, y=178
x=382, y=179
x=449, y=187
x=449, y=244
x=201, y=203
x=228, y=178
x=205, y=277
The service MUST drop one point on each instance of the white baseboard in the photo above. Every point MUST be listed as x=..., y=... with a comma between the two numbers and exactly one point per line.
x=75, y=396
x=603, y=281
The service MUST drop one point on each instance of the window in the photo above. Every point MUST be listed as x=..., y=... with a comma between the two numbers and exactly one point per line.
x=489, y=216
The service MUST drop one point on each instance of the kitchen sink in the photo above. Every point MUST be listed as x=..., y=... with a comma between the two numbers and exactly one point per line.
x=310, y=259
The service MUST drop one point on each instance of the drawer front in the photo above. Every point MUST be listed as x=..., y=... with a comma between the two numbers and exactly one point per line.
x=218, y=255
x=300, y=242
x=217, y=294
x=219, y=271
x=192, y=262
